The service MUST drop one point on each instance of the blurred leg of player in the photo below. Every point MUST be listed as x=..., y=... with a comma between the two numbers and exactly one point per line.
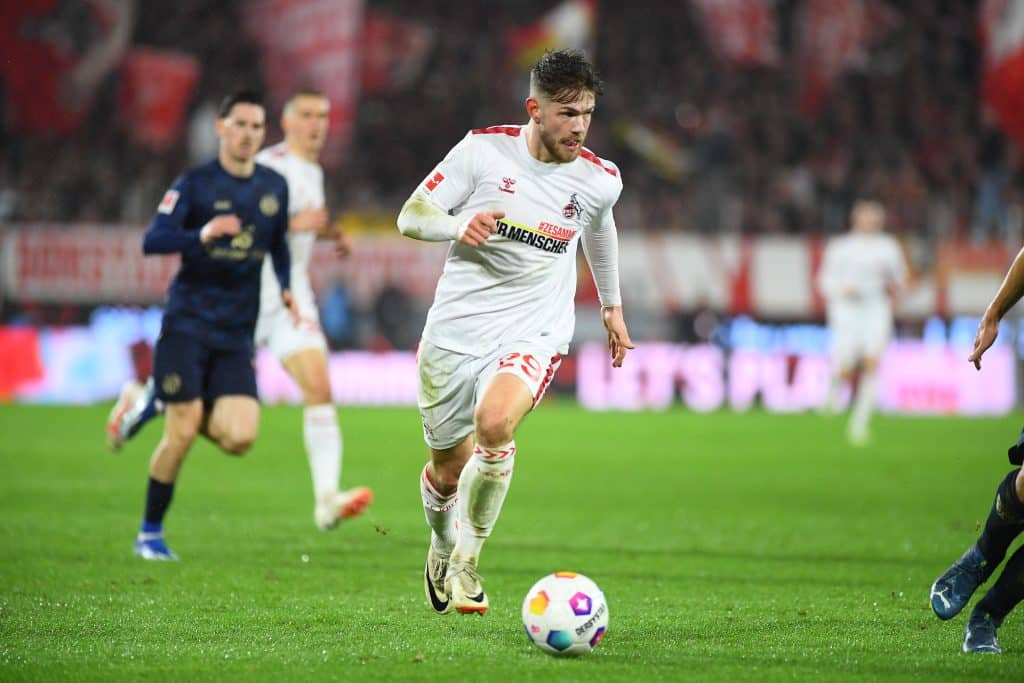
x=302, y=351
x=875, y=328
x=953, y=590
x=184, y=369
x=845, y=339
x=323, y=440
x=136, y=406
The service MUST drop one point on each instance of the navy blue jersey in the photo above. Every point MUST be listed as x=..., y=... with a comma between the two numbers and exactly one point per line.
x=216, y=294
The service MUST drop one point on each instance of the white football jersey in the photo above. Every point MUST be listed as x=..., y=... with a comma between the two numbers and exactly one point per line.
x=520, y=284
x=305, y=191
x=866, y=263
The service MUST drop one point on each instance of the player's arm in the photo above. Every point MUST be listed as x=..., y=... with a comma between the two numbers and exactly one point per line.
x=1008, y=294
x=166, y=233
x=601, y=247
x=425, y=215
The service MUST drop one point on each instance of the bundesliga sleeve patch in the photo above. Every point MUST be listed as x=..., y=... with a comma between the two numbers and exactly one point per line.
x=434, y=181
x=169, y=201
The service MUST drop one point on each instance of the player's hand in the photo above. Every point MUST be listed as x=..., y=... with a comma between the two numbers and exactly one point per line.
x=293, y=308
x=227, y=224
x=618, y=335
x=478, y=228
x=309, y=220
x=342, y=243
x=988, y=330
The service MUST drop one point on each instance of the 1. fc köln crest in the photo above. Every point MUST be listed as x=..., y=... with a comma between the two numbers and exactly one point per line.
x=573, y=208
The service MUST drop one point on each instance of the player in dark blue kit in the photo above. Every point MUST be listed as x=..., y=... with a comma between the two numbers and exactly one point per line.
x=953, y=590
x=223, y=218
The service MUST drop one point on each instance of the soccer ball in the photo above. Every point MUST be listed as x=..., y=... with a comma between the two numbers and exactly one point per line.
x=565, y=614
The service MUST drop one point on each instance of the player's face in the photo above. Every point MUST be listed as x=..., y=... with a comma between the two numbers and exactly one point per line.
x=563, y=126
x=305, y=123
x=241, y=131
x=868, y=217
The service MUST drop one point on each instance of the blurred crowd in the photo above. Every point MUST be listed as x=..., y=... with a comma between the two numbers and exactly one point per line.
x=906, y=124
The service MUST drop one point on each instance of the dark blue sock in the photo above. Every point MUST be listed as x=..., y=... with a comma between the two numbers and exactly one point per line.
x=158, y=499
x=1008, y=590
x=1005, y=522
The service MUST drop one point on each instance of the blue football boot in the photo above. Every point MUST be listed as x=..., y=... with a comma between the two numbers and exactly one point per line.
x=980, y=635
x=953, y=590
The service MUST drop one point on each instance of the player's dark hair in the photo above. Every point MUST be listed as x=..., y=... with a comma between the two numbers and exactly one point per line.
x=240, y=97
x=563, y=75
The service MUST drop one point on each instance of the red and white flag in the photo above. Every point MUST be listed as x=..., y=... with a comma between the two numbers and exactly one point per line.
x=1002, y=87
x=312, y=43
x=741, y=32
x=155, y=89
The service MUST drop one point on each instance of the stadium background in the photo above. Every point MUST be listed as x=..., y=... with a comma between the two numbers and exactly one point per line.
x=743, y=130
x=735, y=532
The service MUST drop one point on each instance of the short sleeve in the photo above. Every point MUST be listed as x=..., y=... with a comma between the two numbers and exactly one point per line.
x=451, y=182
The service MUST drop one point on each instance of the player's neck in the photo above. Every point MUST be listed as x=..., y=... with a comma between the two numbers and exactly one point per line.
x=299, y=151
x=236, y=167
x=534, y=145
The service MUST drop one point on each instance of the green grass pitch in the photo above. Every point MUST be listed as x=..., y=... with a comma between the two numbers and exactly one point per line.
x=730, y=547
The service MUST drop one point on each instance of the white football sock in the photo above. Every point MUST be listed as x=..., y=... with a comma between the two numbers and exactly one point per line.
x=864, y=405
x=482, y=488
x=440, y=512
x=835, y=389
x=323, y=447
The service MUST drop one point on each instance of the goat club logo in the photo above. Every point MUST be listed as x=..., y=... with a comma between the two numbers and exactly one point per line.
x=508, y=185
x=573, y=208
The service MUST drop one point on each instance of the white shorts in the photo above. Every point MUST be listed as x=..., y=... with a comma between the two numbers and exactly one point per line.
x=859, y=332
x=276, y=330
x=452, y=383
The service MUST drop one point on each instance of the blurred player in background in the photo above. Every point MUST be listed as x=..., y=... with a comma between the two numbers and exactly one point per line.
x=860, y=274
x=953, y=590
x=302, y=349
x=223, y=218
x=514, y=201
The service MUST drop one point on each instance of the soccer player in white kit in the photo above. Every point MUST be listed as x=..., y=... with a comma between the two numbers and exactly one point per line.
x=860, y=273
x=514, y=201
x=302, y=349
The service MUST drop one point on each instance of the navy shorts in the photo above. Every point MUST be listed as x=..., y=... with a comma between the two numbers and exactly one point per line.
x=184, y=369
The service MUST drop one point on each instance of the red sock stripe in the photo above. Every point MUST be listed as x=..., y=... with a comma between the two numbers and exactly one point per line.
x=556, y=360
x=493, y=455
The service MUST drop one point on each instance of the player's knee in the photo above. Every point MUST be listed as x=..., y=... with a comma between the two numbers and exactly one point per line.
x=237, y=441
x=494, y=427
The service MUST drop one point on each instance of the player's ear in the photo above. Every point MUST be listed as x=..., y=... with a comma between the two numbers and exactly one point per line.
x=220, y=127
x=533, y=108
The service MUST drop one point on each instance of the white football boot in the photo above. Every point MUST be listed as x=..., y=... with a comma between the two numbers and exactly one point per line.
x=341, y=505
x=466, y=593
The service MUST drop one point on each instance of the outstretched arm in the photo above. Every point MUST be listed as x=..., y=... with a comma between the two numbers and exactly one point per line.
x=1009, y=293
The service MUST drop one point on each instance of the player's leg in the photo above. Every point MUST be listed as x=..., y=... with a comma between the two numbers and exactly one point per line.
x=951, y=592
x=136, y=405
x=517, y=381
x=178, y=366
x=844, y=358
x=323, y=439
x=447, y=386
x=864, y=402
x=874, y=333
x=988, y=615
x=439, y=483
x=233, y=423
x=180, y=430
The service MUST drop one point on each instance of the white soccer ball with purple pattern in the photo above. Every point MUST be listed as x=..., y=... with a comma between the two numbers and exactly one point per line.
x=565, y=614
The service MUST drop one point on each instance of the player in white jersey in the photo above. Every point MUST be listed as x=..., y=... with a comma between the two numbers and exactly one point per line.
x=302, y=349
x=860, y=273
x=514, y=201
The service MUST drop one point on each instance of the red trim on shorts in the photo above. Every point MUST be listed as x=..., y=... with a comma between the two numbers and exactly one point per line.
x=594, y=159
x=495, y=130
x=553, y=364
